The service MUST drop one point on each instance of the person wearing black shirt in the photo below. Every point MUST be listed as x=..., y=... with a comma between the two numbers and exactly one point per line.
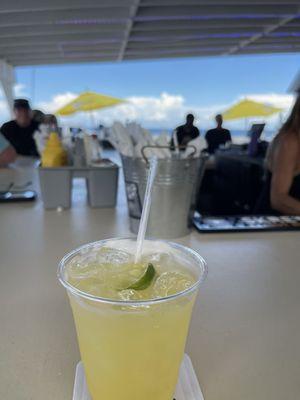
x=19, y=132
x=217, y=136
x=187, y=132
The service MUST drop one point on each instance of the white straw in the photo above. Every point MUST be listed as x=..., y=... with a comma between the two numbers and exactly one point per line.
x=146, y=209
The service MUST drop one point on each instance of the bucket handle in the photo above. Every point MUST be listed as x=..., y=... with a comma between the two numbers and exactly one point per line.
x=166, y=147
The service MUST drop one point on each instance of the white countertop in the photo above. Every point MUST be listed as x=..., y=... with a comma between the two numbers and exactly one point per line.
x=245, y=333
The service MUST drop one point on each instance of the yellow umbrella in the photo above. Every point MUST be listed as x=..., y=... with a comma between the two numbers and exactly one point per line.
x=248, y=108
x=88, y=101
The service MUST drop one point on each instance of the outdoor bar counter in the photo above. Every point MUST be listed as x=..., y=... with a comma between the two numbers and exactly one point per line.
x=244, y=336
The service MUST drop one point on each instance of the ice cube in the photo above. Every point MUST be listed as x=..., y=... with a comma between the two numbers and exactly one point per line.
x=108, y=255
x=171, y=282
x=127, y=294
x=97, y=263
x=160, y=260
x=82, y=268
x=99, y=289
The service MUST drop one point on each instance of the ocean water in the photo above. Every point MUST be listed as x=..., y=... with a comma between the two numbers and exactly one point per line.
x=238, y=136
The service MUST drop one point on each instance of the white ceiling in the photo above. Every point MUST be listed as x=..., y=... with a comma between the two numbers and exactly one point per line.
x=62, y=31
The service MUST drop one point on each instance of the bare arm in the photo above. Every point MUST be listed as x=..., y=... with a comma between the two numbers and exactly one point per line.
x=7, y=156
x=284, y=162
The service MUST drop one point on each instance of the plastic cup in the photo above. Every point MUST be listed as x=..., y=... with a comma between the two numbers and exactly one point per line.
x=132, y=350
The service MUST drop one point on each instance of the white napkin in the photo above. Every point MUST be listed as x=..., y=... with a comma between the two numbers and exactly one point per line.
x=120, y=139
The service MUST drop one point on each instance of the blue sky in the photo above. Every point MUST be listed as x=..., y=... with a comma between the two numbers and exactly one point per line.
x=200, y=84
x=200, y=80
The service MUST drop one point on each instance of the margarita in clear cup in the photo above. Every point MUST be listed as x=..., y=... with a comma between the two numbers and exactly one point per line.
x=132, y=319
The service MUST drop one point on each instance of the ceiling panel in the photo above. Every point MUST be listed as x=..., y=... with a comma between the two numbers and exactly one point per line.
x=8, y=6
x=204, y=24
x=58, y=31
x=215, y=2
x=89, y=16
x=219, y=9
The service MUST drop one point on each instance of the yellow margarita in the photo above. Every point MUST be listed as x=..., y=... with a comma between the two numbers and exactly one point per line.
x=132, y=319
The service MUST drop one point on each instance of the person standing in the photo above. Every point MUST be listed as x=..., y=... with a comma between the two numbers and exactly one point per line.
x=187, y=132
x=19, y=132
x=217, y=136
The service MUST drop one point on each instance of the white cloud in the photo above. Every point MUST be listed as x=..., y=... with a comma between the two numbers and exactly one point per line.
x=284, y=101
x=20, y=90
x=147, y=110
x=56, y=102
x=164, y=111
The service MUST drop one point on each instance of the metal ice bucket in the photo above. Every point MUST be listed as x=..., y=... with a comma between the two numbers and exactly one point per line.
x=175, y=187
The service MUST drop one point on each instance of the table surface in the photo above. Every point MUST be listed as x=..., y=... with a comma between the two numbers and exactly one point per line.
x=244, y=336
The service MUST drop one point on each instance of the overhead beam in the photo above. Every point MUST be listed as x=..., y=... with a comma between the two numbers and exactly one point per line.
x=133, y=12
x=201, y=24
x=213, y=2
x=7, y=79
x=43, y=51
x=165, y=34
x=8, y=6
x=255, y=38
x=170, y=26
x=67, y=55
x=51, y=29
x=247, y=51
x=173, y=55
x=84, y=39
x=295, y=85
x=182, y=11
x=59, y=60
x=52, y=47
x=37, y=61
x=66, y=17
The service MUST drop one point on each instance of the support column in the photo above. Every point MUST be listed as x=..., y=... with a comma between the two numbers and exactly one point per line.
x=7, y=79
x=295, y=85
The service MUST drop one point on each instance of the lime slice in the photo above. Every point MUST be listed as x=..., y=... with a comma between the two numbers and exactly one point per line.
x=145, y=280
